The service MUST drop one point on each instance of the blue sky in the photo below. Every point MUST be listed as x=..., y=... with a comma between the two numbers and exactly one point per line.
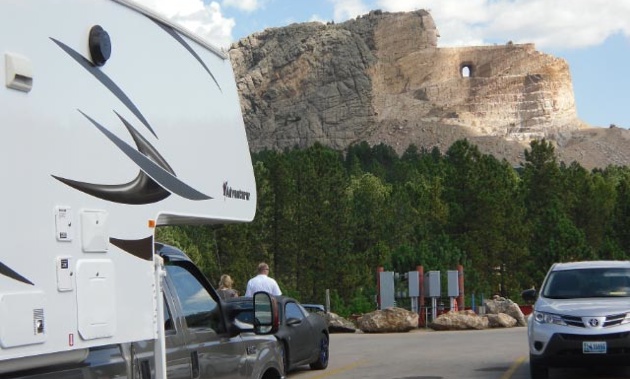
x=592, y=35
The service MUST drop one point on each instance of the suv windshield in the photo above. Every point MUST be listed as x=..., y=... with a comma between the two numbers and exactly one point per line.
x=588, y=282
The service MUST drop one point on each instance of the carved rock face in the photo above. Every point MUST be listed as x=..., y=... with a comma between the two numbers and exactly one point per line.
x=381, y=78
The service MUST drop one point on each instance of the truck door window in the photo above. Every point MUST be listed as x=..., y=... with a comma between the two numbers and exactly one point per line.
x=199, y=308
x=168, y=320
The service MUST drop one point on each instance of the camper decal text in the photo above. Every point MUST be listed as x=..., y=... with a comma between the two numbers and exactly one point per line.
x=231, y=193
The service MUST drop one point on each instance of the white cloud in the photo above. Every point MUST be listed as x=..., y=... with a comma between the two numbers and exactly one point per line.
x=346, y=9
x=317, y=18
x=204, y=20
x=548, y=23
x=551, y=24
x=244, y=5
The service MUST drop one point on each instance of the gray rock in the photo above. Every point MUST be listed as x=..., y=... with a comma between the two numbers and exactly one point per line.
x=500, y=320
x=499, y=304
x=338, y=324
x=389, y=320
x=460, y=320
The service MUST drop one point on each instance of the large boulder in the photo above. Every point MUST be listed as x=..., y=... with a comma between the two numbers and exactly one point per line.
x=459, y=320
x=389, y=320
x=500, y=304
x=338, y=324
x=500, y=320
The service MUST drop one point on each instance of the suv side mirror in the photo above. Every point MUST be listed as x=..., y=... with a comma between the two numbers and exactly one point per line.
x=529, y=295
x=265, y=314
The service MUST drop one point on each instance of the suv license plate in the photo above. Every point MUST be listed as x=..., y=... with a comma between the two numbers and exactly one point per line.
x=594, y=347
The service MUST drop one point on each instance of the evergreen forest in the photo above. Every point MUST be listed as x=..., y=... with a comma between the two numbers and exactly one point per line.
x=327, y=219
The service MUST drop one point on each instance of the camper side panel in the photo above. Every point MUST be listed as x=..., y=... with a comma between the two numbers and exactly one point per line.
x=110, y=118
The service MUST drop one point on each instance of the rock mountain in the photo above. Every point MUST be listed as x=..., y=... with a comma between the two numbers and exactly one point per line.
x=381, y=78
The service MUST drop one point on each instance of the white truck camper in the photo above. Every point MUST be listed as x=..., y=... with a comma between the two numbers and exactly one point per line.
x=114, y=121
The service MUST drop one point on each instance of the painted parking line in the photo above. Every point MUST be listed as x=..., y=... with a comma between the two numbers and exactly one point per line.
x=508, y=374
x=339, y=370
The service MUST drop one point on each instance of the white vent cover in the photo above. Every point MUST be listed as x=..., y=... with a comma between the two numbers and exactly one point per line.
x=19, y=72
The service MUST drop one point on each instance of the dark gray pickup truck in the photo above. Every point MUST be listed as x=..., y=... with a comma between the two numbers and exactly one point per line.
x=203, y=340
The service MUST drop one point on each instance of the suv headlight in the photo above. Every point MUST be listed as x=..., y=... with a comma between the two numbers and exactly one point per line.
x=548, y=318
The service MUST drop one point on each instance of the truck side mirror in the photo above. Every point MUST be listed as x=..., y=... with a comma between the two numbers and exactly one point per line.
x=265, y=314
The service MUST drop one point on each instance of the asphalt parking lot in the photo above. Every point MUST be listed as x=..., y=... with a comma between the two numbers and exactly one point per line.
x=425, y=354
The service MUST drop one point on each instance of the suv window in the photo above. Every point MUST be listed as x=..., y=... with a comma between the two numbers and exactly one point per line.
x=591, y=282
x=200, y=309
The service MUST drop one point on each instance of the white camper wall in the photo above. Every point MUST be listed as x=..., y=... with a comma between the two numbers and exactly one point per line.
x=63, y=284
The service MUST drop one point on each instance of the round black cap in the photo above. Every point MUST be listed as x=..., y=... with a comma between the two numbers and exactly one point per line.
x=100, y=45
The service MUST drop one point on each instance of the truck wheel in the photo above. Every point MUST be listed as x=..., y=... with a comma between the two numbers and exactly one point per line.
x=322, y=360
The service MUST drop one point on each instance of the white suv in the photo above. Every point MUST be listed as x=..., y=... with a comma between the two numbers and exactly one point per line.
x=581, y=316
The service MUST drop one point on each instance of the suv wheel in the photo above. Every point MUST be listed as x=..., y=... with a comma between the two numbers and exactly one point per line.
x=536, y=371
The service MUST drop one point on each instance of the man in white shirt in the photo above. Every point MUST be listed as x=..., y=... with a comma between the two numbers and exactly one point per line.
x=262, y=282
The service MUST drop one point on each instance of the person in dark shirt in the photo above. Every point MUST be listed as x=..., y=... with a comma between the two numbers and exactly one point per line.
x=225, y=287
